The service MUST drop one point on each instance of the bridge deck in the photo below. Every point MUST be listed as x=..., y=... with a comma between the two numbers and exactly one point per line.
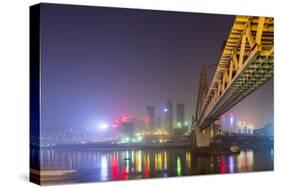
x=246, y=63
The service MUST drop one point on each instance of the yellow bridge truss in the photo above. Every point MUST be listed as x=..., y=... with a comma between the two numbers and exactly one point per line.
x=246, y=63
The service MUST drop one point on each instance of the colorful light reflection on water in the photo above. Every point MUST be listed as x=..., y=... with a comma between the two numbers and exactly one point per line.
x=135, y=164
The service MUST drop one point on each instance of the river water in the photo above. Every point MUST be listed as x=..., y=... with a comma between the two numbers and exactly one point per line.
x=91, y=165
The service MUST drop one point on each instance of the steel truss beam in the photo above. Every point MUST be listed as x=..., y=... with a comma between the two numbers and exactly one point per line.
x=245, y=64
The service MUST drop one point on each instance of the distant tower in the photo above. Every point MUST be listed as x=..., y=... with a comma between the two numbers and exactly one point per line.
x=168, y=115
x=158, y=123
x=150, y=117
x=180, y=115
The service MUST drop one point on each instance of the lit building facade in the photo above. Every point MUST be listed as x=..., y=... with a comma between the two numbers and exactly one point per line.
x=150, y=117
x=168, y=116
x=180, y=115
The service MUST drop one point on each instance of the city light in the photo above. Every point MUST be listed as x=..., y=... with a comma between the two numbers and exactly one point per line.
x=114, y=125
x=178, y=166
x=146, y=133
x=245, y=128
x=103, y=126
x=250, y=129
x=165, y=109
x=231, y=120
x=139, y=138
x=179, y=124
x=125, y=139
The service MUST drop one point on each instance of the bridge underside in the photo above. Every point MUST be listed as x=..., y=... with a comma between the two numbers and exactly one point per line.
x=246, y=64
x=255, y=74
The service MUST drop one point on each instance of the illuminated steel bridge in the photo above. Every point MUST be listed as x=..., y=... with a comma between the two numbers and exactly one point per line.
x=246, y=63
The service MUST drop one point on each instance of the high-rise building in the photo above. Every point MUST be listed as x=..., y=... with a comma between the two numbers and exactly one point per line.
x=150, y=117
x=158, y=124
x=127, y=129
x=180, y=115
x=168, y=115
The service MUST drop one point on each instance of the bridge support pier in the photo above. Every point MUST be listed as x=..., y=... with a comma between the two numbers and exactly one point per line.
x=201, y=139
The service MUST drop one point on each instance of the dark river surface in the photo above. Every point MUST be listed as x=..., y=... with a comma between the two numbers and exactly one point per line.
x=91, y=165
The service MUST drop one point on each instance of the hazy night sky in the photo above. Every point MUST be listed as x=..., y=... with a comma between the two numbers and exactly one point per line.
x=98, y=63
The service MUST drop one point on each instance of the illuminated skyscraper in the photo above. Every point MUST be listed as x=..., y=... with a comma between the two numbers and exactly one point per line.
x=168, y=115
x=180, y=115
x=150, y=117
x=158, y=124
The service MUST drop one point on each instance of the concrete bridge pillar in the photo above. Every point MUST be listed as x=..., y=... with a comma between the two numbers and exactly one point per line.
x=202, y=139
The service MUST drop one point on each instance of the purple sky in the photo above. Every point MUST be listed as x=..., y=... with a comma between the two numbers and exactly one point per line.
x=100, y=62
